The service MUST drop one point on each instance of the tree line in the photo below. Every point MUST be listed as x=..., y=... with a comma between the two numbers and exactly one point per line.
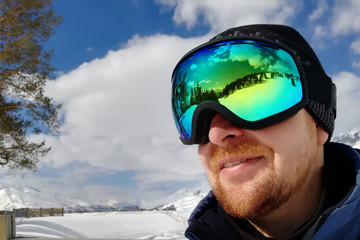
x=198, y=95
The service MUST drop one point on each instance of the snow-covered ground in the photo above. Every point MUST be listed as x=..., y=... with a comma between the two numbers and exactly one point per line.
x=155, y=224
x=119, y=225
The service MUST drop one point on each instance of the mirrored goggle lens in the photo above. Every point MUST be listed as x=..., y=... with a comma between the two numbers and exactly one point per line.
x=252, y=79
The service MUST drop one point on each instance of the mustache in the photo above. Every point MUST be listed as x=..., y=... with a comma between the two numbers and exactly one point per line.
x=240, y=149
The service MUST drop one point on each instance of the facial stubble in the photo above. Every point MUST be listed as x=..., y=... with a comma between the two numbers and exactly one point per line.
x=265, y=195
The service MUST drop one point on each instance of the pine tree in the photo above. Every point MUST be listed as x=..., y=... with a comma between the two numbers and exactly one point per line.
x=24, y=67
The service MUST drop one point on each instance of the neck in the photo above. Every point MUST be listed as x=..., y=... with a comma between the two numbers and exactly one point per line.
x=297, y=211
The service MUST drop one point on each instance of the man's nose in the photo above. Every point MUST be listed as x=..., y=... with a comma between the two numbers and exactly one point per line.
x=223, y=132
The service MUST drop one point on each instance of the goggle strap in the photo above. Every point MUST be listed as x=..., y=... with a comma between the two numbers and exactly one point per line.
x=333, y=99
x=320, y=86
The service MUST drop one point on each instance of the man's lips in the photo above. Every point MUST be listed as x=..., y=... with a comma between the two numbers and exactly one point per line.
x=233, y=161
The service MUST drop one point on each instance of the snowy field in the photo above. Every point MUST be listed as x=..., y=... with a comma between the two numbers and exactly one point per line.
x=150, y=224
x=119, y=225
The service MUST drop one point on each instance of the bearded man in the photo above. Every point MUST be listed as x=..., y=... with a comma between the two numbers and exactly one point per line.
x=261, y=108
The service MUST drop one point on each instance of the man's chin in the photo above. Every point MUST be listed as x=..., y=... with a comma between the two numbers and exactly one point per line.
x=252, y=202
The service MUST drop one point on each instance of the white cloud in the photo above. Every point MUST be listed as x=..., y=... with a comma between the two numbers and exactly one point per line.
x=356, y=64
x=322, y=8
x=355, y=46
x=229, y=13
x=345, y=19
x=348, y=98
x=340, y=22
x=118, y=115
x=320, y=32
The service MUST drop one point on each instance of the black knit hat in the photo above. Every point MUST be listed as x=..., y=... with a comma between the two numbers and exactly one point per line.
x=322, y=96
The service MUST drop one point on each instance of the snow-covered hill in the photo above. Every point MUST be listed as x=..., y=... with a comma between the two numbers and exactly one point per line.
x=29, y=197
x=24, y=196
x=178, y=205
x=351, y=138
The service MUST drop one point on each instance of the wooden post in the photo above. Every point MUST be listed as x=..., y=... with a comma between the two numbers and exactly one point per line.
x=7, y=226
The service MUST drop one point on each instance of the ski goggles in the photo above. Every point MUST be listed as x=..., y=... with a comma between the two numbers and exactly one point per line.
x=252, y=83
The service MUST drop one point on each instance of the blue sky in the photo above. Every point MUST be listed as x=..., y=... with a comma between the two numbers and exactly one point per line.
x=92, y=28
x=114, y=60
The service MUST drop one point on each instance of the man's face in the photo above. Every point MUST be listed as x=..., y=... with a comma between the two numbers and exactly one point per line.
x=254, y=172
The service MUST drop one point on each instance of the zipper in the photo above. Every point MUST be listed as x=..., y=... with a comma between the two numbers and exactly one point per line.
x=317, y=224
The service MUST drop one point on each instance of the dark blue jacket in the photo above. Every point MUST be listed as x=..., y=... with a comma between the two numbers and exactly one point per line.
x=337, y=218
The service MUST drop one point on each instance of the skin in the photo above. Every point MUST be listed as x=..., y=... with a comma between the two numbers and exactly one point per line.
x=279, y=188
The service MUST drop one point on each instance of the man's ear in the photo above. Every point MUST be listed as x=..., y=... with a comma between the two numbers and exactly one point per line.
x=322, y=135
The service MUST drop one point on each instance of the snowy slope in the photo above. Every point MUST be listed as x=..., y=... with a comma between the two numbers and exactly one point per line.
x=184, y=207
x=182, y=203
x=351, y=138
x=24, y=196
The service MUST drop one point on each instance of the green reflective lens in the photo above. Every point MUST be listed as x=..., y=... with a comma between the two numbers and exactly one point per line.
x=252, y=79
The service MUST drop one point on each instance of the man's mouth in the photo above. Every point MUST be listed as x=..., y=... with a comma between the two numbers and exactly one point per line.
x=237, y=162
